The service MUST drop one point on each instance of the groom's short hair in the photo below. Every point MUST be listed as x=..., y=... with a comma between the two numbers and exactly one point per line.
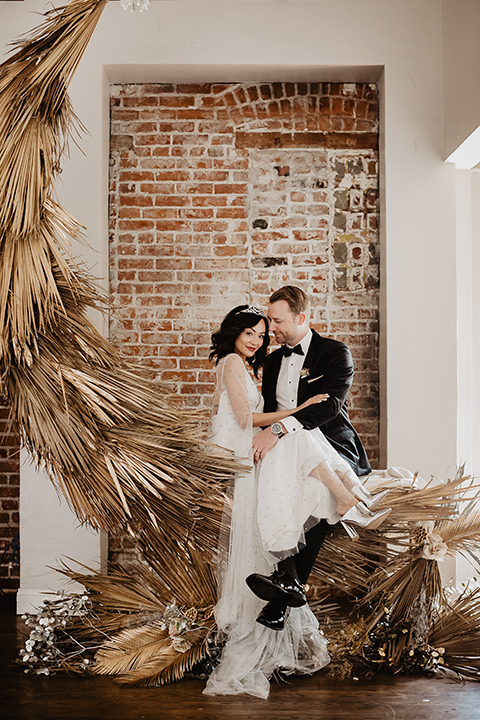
x=297, y=300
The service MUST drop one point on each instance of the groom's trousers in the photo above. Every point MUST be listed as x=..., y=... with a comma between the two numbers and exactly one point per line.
x=305, y=558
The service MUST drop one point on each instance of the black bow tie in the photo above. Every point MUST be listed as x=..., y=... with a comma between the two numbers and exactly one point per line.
x=287, y=351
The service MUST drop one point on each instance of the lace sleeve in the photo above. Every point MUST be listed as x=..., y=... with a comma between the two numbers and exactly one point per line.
x=234, y=382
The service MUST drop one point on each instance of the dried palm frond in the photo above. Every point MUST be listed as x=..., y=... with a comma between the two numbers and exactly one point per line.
x=149, y=589
x=352, y=566
x=432, y=502
x=133, y=648
x=457, y=633
x=129, y=618
x=402, y=579
x=150, y=654
x=394, y=574
x=117, y=446
x=122, y=592
x=461, y=534
x=35, y=121
x=169, y=667
x=167, y=670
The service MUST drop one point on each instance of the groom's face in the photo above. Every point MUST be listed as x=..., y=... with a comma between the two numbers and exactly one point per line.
x=287, y=327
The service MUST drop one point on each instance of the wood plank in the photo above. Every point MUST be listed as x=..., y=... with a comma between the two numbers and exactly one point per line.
x=316, y=697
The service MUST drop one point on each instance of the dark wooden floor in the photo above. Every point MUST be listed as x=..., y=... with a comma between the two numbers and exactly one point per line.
x=62, y=697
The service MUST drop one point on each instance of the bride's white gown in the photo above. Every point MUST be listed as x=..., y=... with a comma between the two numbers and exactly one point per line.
x=273, y=505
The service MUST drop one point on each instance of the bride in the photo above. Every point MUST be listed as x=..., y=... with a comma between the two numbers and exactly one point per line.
x=267, y=521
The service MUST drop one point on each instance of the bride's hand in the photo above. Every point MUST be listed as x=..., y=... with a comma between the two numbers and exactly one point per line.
x=313, y=400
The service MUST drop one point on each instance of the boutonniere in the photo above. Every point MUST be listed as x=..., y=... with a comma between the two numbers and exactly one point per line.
x=304, y=373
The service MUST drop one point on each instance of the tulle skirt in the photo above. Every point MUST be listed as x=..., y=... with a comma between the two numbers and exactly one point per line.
x=248, y=661
x=273, y=506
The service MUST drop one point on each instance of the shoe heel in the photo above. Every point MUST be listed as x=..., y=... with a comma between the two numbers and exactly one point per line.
x=350, y=530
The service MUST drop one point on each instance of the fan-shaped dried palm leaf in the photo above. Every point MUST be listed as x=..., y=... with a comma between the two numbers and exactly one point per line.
x=462, y=533
x=127, y=616
x=433, y=502
x=146, y=589
x=133, y=648
x=352, y=566
x=121, y=592
x=347, y=566
x=403, y=578
x=457, y=631
x=168, y=666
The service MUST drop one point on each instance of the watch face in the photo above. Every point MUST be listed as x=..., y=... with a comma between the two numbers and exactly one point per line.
x=276, y=428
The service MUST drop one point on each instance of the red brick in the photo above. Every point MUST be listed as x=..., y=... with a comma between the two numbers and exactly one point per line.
x=136, y=225
x=230, y=213
x=161, y=152
x=225, y=251
x=166, y=225
x=160, y=212
x=140, y=102
x=159, y=89
x=9, y=466
x=9, y=491
x=209, y=200
x=196, y=389
x=175, y=200
x=230, y=188
x=125, y=115
x=189, y=114
x=136, y=200
x=129, y=212
x=200, y=88
x=195, y=364
x=198, y=213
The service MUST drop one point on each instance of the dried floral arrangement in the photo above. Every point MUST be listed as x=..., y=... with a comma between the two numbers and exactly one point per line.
x=155, y=624
x=124, y=453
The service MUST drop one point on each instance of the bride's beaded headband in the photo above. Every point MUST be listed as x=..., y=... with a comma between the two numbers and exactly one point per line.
x=252, y=310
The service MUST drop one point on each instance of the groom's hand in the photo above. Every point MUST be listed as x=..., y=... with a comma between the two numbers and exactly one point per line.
x=263, y=441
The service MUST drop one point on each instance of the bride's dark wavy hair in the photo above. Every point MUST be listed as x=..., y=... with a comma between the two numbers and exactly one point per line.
x=233, y=324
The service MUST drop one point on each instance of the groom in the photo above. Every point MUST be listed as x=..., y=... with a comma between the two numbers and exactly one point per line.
x=306, y=365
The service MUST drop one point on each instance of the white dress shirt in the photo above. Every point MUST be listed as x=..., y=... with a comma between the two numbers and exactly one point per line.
x=287, y=383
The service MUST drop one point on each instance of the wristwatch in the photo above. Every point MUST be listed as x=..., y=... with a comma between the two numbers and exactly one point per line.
x=277, y=430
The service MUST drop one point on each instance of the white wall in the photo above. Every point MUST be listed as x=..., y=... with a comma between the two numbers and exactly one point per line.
x=49, y=535
x=461, y=108
x=461, y=50
x=475, y=265
x=465, y=314
x=320, y=40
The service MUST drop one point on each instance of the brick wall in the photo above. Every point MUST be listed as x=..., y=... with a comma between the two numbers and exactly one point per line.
x=219, y=194
x=9, y=501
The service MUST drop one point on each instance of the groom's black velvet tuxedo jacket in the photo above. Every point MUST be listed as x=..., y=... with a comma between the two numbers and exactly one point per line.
x=328, y=368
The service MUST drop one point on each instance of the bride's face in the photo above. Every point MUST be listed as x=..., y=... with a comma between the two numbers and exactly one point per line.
x=250, y=339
